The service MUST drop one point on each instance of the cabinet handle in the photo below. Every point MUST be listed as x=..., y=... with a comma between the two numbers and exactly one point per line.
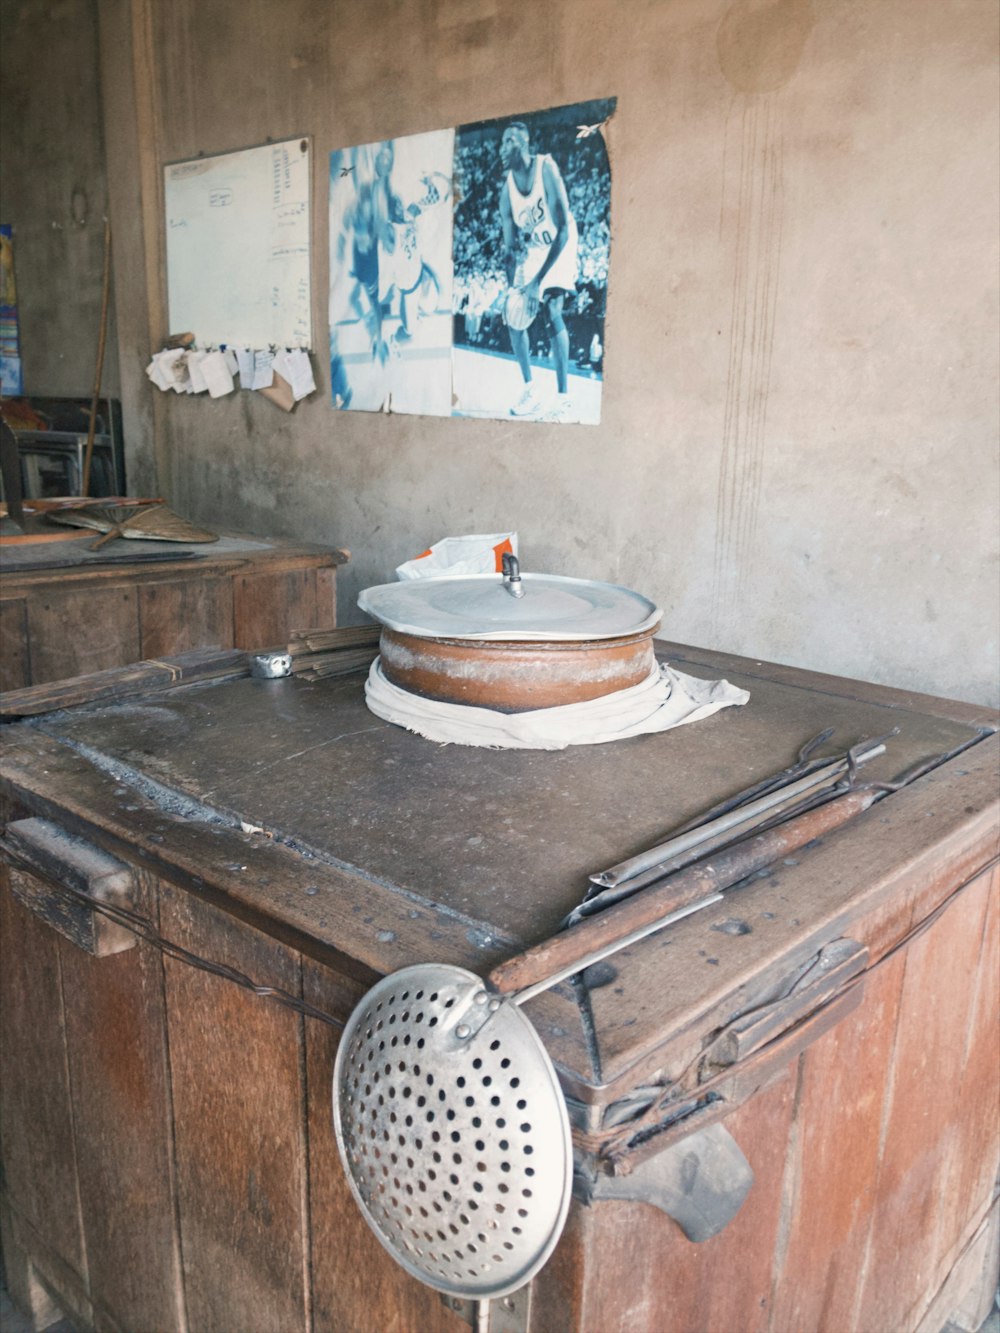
x=49, y=867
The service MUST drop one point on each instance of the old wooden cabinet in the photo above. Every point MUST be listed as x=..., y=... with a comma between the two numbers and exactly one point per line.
x=65, y=611
x=169, y=1161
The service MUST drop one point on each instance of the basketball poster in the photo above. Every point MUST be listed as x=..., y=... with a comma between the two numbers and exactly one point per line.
x=469, y=269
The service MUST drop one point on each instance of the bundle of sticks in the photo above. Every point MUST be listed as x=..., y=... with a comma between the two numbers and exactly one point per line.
x=317, y=653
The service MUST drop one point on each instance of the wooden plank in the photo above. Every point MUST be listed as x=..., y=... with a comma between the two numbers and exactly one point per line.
x=833, y=1162
x=979, y=1093
x=118, y=1068
x=268, y=605
x=184, y=614
x=355, y=1284
x=918, y=1214
x=14, y=663
x=174, y=562
x=122, y=682
x=236, y=1062
x=69, y=633
x=36, y=1116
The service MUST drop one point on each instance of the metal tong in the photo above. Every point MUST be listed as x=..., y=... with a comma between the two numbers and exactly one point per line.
x=806, y=783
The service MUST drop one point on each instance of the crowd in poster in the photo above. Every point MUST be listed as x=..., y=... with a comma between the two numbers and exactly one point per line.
x=469, y=269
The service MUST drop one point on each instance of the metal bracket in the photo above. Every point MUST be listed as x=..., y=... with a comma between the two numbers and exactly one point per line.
x=504, y=1314
x=701, y=1182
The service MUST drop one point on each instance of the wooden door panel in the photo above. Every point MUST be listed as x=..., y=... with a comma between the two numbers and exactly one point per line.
x=626, y=1266
x=269, y=606
x=118, y=1070
x=235, y=1063
x=196, y=612
x=77, y=632
x=919, y=1215
x=833, y=1162
x=36, y=1121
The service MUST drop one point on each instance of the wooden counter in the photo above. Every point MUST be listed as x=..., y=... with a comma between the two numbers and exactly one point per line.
x=169, y=1160
x=65, y=611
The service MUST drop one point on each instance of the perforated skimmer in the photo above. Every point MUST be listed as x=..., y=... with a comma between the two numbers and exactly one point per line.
x=452, y=1126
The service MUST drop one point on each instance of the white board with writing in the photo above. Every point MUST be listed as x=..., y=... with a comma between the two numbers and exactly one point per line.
x=238, y=247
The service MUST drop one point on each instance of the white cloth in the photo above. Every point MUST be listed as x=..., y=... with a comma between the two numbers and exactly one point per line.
x=665, y=699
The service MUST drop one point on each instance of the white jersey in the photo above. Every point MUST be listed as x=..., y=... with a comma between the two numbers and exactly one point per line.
x=534, y=221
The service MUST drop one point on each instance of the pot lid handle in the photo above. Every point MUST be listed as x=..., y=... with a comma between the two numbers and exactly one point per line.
x=512, y=574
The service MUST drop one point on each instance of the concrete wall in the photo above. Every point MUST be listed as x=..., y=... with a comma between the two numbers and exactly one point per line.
x=798, y=455
x=53, y=189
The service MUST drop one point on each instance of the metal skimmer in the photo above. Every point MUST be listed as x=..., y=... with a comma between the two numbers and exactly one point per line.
x=452, y=1125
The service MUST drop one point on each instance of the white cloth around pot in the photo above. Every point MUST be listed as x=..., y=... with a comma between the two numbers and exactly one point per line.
x=665, y=699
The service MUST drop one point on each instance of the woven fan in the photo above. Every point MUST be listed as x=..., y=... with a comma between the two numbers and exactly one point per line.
x=146, y=522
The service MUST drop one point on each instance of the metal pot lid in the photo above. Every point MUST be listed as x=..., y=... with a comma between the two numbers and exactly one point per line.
x=487, y=606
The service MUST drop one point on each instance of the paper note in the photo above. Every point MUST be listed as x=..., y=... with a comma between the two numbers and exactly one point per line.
x=299, y=374
x=263, y=370
x=158, y=374
x=244, y=364
x=195, y=361
x=215, y=372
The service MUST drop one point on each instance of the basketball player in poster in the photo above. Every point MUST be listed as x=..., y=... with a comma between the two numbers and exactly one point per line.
x=540, y=254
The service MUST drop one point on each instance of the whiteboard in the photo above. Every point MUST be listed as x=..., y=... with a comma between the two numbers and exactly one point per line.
x=238, y=247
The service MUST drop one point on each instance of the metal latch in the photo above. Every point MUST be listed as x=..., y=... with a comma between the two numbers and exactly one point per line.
x=271, y=666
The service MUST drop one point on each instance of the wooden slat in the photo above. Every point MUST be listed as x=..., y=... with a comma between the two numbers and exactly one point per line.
x=178, y=616
x=36, y=1120
x=69, y=633
x=121, y=682
x=121, y=1110
x=239, y=1130
x=918, y=1213
x=833, y=1163
x=979, y=1093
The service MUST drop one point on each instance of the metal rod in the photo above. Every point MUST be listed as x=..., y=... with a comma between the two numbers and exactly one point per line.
x=597, y=955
